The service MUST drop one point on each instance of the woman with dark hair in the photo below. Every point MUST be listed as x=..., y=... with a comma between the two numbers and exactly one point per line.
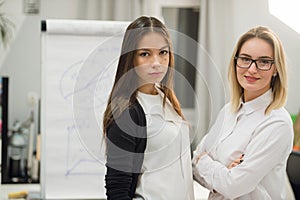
x=148, y=144
x=244, y=155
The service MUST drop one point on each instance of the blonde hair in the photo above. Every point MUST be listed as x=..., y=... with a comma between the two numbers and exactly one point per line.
x=278, y=82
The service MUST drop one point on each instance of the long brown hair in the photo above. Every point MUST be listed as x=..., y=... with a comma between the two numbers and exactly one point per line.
x=124, y=90
x=278, y=82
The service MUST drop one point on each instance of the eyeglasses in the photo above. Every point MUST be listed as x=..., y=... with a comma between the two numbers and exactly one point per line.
x=261, y=64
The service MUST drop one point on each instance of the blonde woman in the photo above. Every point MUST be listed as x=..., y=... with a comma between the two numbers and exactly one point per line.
x=244, y=154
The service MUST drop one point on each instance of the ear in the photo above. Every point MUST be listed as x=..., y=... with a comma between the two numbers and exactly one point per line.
x=275, y=72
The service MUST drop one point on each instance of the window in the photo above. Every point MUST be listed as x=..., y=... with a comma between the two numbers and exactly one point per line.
x=286, y=11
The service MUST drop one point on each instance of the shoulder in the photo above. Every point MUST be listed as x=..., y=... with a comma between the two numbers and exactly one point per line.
x=281, y=115
x=279, y=124
x=225, y=111
x=128, y=131
x=137, y=113
x=130, y=118
x=227, y=107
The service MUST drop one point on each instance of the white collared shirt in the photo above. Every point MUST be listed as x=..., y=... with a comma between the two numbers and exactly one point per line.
x=266, y=141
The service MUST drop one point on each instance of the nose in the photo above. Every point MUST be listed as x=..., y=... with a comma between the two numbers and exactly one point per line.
x=156, y=61
x=253, y=67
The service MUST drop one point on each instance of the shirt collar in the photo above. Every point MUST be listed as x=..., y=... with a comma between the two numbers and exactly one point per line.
x=260, y=102
x=168, y=112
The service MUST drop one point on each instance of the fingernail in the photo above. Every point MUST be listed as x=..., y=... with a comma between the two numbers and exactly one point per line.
x=241, y=160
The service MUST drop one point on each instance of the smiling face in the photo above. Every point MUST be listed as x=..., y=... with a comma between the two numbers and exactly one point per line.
x=151, y=61
x=254, y=81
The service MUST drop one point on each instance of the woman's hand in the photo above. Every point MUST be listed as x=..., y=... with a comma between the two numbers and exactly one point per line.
x=197, y=158
x=236, y=162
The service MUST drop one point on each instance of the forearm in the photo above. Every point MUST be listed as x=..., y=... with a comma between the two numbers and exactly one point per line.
x=218, y=178
x=118, y=184
x=197, y=177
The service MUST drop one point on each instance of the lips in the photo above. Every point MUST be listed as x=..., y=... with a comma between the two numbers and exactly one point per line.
x=251, y=78
x=155, y=73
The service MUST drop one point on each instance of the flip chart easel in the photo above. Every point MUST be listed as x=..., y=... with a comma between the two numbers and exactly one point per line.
x=79, y=59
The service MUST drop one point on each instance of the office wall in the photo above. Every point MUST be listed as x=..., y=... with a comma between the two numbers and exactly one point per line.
x=21, y=61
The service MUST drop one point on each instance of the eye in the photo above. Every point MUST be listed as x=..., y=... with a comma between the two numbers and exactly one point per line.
x=245, y=59
x=265, y=62
x=164, y=52
x=144, y=54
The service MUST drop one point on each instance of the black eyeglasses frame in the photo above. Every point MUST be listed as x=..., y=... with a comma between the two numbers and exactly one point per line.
x=253, y=61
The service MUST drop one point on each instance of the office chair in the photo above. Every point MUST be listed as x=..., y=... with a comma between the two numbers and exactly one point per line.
x=293, y=172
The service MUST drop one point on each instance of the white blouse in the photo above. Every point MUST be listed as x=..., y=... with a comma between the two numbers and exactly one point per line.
x=266, y=142
x=167, y=167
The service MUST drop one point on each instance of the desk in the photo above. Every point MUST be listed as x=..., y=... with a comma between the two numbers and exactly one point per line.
x=5, y=189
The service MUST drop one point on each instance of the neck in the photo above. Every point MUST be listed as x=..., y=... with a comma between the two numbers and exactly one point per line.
x=148, y=89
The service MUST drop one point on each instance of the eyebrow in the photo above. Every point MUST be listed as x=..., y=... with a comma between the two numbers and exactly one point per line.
x=260, y=57
x=147, y=49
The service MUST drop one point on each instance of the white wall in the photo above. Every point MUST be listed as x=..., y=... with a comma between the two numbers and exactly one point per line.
x=21, y=61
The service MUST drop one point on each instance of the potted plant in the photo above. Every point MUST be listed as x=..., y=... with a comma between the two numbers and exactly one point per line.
x=6, y=27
